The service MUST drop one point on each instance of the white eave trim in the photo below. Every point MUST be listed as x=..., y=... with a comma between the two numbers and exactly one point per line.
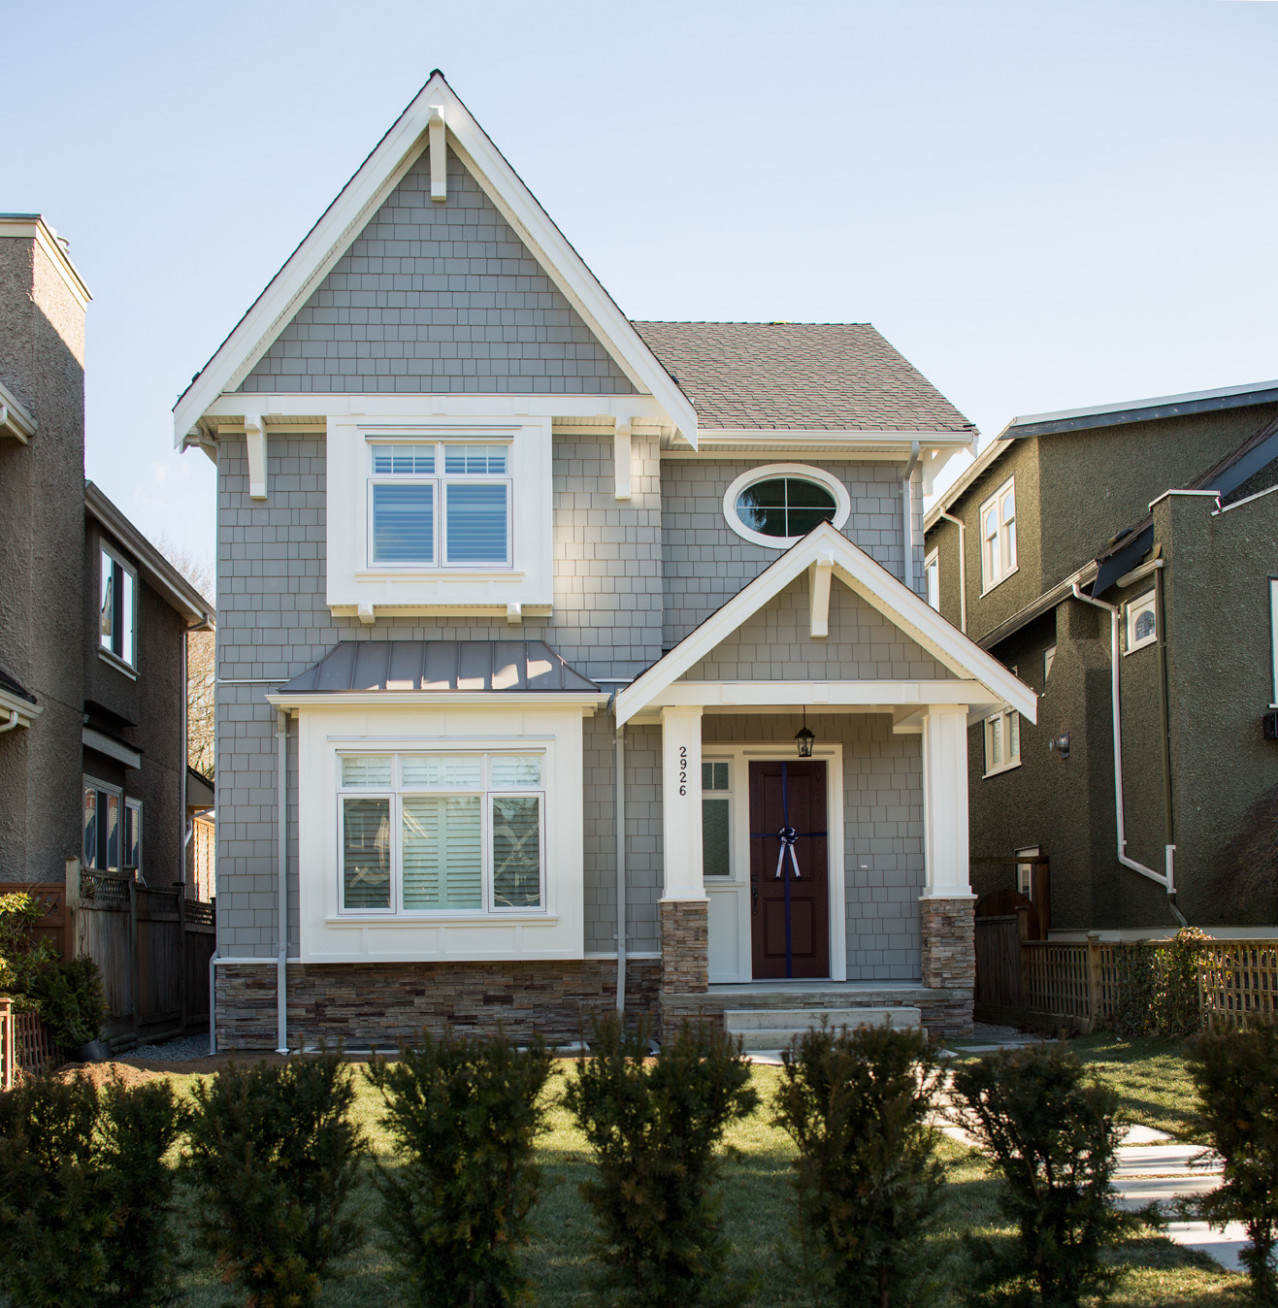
x=817, y=695
x=873, y=583
x=15, y=420
x=437, y=699
x=360, y=198
x=26, y=712
x=787, y=437
x=112, y=748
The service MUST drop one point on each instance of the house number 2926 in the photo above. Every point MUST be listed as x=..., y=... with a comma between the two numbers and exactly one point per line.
x=683, y=769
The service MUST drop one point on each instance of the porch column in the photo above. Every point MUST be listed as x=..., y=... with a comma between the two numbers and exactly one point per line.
x=949, y=946
x=684, y=907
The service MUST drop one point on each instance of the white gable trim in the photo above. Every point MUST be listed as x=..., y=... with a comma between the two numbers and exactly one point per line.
x=360, y=198
x=874, y=584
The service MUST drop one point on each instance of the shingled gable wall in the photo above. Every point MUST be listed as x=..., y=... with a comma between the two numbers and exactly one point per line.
x=441, y=298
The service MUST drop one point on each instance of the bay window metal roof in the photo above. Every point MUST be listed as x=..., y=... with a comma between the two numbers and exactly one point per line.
x=439, y=666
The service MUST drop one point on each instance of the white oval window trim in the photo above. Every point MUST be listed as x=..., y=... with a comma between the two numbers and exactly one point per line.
x=842, y=500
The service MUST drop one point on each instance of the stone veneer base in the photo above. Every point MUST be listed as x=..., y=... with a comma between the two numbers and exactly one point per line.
x=949, y=958
x=378, y=1005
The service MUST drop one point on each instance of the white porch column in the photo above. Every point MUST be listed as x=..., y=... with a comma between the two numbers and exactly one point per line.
x=681, y=803
x=945, y=801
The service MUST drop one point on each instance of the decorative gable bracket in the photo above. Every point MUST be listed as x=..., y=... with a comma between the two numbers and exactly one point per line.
x=255, y=436
x=438, y=155
x=819, y=580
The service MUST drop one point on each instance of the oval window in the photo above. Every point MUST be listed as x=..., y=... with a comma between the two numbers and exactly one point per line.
x=781, y=504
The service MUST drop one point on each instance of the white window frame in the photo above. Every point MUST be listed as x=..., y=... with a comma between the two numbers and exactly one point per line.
x=134, y=807
x=998, y=561
x=1025, y=860
x=117, y=793
x=1146, y=603
x=1007, y=717
x=727, y=795
x=932, y=578
x=798, y=471
x=399, y=790
x=441, y=481
x=106, y=646
x=1049, y=660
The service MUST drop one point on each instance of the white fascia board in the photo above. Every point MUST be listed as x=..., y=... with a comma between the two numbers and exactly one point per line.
x=115, y=749
x=788, y=436
x=27, y=711
x=587, y=701
x=871, y=582
x=882, y=695
x=360, y=198
x=278, y=407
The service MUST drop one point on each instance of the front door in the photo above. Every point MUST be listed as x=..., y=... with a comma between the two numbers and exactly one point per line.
x=789, y=870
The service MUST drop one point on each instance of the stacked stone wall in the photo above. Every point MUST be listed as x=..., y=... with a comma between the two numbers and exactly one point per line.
x=949, y=962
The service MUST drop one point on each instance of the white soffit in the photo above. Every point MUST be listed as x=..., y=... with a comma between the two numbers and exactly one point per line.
x=355, y=205
x=873, y=583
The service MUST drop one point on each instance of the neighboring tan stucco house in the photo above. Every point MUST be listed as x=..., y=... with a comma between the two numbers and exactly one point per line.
x=93, y=618
x=522, y=607
x=1125, y=554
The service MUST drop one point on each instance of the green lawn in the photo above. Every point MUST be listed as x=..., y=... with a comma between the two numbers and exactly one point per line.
x=758, y=1209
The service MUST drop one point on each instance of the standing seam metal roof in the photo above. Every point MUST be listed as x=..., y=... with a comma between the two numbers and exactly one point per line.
x=439, y=665
x=808, y=376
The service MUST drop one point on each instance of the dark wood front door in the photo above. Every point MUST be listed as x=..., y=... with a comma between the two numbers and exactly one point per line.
x=789, y=870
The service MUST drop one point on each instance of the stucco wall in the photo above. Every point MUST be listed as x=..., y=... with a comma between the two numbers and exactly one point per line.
x=438, y=297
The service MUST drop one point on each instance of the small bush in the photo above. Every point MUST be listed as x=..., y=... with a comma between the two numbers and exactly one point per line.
x=276, y=1157
x=654, y=1127
x=1158, y=986
x=1053, y=1140
x=54, y=1207
x=138, y=1127
x=1237, y=1080
x=70, y=998
x=464, y=1114
x=856, y=1105
x=20, y=954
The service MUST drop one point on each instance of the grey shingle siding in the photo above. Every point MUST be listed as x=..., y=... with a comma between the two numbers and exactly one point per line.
x=440, y=298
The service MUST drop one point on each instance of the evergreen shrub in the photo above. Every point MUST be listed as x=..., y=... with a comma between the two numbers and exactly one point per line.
x=1158, y=986
x=1236, y=1075
x=654, y=1127
x=70, y=999
x=464, y=1114
x=276, y=1159
x=1053, y=1140
x=856, y=1104
x=21, y=955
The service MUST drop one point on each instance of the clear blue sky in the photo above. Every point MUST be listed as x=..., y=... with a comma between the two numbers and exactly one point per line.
x=1042, y=203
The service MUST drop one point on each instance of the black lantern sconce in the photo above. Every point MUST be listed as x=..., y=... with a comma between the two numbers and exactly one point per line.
x=804, y=739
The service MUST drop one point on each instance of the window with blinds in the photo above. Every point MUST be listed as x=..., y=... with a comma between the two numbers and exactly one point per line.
x=442, y=832
x=439, y=503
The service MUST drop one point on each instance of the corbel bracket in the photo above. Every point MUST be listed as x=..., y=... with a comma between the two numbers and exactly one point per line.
x=820, y=574
x=255, y=436
x=621, y=459
x=438, y=155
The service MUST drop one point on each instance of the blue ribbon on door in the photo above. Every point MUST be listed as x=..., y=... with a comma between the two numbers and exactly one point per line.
x=788, y=837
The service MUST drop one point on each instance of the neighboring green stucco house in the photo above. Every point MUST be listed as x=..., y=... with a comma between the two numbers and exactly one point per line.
x=1161, y=510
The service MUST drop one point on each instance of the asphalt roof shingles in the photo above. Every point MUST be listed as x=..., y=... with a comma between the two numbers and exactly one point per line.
x=806, y=376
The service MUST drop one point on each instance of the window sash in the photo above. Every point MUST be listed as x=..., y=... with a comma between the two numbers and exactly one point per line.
x=117, y=607
x=133, y=834
x=998, y=535
x=1002, y=741
x=102, y=826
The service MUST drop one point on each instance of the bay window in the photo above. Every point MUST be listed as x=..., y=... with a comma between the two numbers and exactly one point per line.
x=447, y=833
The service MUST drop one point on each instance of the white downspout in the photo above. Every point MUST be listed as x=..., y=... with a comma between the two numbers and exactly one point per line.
x=907, y=499
x=281, y=855
x=621, y=871
x=13, y=722
x=1166, y=878
x=962, y=526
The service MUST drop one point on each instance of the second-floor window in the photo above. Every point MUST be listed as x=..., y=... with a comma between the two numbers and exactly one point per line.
x=998, y=535
x=438, y=504
x=117, y=608
x=932, y=576
x=1002, y=741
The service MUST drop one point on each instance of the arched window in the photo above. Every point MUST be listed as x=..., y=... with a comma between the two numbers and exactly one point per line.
x=779, y=504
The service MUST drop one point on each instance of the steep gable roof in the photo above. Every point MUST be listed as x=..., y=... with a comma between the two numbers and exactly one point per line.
x=363, y=195
x=808, y=376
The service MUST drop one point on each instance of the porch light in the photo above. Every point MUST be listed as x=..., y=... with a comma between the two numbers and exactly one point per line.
x=804, y=739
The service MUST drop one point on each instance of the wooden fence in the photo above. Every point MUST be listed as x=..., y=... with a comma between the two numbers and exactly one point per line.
x=1078, y=983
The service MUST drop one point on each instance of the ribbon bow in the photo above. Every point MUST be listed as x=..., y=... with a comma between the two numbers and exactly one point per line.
x=788, y=837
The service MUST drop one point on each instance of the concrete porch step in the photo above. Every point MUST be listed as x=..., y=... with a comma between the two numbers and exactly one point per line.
x=774, y=1028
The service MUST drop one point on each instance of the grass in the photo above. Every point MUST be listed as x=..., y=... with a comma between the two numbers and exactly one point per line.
x=758, y=1208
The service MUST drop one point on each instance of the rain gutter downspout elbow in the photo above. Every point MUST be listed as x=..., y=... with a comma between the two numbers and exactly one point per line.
x=1166, y=878
x=962, y=530
x=281, y=855
x=13, y=722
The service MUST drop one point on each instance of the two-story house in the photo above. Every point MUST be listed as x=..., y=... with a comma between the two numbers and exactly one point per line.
x=568, y=662
x=1120, y=559
x=93, y=619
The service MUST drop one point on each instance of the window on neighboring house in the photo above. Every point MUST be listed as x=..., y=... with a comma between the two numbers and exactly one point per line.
x=1142, y=622
x=102, y=805
x=117, y=608
x=442, y=833
x=998, y=535
x=438, y=504
x=1026, y=860
x=716, y=813
x=133, y=834
x=1049, y=657
x=1002, y=741
x=779, y=504
x=932, y=575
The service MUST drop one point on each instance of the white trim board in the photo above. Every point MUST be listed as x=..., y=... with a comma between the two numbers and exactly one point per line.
x=874, y=584
x=355, y=205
